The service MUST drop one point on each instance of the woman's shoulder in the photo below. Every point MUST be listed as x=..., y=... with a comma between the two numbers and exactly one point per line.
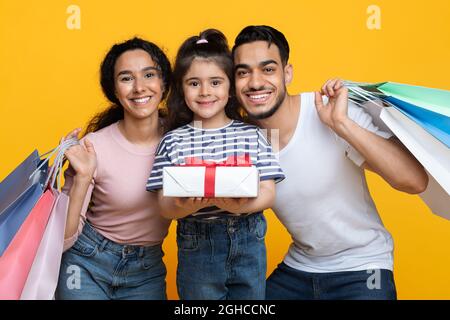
x=101, y=136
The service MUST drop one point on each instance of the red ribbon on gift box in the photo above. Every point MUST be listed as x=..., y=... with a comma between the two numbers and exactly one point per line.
x=210, y=173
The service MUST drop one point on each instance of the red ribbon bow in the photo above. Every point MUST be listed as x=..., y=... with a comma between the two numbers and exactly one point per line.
x=210, y=173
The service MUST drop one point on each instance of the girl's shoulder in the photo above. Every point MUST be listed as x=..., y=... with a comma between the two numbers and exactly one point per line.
x=240, y=125
x=174, y=135
x=176, y=132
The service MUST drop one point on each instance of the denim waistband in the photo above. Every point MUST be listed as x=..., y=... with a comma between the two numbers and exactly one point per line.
x=117, y=248
x=223, y=219
x=203, y=226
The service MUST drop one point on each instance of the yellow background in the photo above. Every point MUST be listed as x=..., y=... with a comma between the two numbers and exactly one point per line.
x=49, y=85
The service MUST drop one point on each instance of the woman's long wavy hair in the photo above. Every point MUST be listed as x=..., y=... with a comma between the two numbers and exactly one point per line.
x=116, y=112
x=213, y=47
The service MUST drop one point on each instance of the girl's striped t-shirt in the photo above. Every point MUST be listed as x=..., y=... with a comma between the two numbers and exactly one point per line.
x=233, y=140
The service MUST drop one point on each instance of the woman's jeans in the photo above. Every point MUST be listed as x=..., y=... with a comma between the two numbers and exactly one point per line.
x=100, y=269
x=222, y=258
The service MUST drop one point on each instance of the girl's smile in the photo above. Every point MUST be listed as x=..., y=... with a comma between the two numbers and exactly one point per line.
x=206, y=90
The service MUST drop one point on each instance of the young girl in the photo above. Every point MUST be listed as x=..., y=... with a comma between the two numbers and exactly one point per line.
x=221, y=249
x=114, y=231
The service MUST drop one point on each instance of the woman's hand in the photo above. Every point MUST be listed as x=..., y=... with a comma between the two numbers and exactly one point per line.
x=82, y=158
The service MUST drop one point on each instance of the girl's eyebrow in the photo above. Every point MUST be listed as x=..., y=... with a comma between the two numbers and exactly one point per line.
x=196, y=78
x=144, y=69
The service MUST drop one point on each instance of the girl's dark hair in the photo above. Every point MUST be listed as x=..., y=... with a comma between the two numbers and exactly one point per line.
x=115, y=112
x=213, y=46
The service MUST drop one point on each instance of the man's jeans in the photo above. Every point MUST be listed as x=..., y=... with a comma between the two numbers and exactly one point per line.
x=99, y=269
x=292, y=284
x=223, y=258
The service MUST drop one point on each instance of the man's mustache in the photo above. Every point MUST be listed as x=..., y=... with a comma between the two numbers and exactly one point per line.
x=258, y=89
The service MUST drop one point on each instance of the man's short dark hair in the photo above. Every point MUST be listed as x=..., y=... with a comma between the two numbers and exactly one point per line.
x=263, y=33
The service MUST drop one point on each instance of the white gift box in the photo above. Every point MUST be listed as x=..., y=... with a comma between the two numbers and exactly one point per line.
x=229, y=182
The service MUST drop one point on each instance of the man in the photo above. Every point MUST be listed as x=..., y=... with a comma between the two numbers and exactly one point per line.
x=340, y=248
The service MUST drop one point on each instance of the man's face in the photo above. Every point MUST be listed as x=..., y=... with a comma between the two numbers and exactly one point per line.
x=260, y=78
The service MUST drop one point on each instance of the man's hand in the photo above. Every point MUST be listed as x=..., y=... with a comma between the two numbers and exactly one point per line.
x=334, y=113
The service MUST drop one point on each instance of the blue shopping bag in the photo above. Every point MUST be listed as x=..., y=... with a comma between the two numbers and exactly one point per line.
x=19, y=192
x=436, y=124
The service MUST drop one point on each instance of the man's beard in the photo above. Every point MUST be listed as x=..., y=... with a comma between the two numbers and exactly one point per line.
x=271, y=111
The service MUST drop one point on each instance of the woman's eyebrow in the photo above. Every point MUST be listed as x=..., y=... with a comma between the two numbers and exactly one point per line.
x=144, y=69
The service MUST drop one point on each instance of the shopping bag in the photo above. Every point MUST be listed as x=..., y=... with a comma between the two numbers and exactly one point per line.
x=436, y=124
x=433, y=155
x=435, y=100
x=419, y=118
x=43, y=277
x=428, y=107
x=17, y=182
x=16, y=261
x=19, y=192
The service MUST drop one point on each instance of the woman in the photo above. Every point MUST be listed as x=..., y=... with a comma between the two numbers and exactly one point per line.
x=114, y=231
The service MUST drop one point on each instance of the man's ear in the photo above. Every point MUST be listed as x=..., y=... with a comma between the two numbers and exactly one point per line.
x=288, y=73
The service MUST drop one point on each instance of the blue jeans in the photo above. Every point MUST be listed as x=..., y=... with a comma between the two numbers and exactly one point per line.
x=287, y=283
x=221, y=259
x=96, y=268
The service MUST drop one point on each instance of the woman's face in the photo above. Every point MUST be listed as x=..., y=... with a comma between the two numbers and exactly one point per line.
x=138, y=83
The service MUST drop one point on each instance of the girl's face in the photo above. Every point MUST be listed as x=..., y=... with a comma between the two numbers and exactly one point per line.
x=138, y=83
x=206, y=88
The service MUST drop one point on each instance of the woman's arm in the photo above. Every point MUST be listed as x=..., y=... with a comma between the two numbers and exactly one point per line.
x=83, y=163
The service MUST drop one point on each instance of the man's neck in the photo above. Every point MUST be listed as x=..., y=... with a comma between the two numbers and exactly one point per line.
x=284, y=120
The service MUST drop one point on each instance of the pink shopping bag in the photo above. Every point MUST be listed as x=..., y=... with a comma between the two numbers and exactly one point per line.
x=16, y=261
x=43, y=277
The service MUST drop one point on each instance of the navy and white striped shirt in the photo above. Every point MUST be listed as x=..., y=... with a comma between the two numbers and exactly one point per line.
x=235, y=139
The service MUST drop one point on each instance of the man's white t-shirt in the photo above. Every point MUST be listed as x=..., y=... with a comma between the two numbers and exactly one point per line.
x=324, y=201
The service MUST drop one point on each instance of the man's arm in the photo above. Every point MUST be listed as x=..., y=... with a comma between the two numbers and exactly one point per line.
x=386, y=157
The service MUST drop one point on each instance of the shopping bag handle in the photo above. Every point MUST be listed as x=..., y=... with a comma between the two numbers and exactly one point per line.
x=357, y=94
x=56, y=169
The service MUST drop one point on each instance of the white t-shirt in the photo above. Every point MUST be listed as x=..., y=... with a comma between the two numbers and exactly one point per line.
x=324, y=201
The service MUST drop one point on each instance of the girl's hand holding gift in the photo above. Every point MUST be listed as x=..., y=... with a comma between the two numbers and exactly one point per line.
x=233, y=205
x=193, y=204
